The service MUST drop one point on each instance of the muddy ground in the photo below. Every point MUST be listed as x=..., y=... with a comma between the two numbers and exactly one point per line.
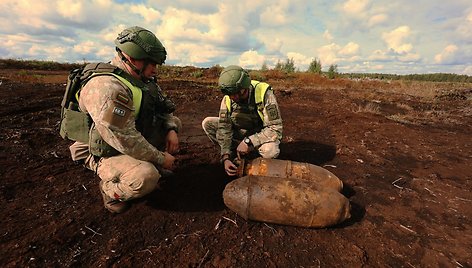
x=402, y=149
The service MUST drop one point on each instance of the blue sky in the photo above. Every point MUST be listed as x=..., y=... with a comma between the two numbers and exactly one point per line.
x=381, y=36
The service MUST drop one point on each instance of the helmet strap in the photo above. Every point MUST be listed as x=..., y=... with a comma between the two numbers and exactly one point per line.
x=130, y=64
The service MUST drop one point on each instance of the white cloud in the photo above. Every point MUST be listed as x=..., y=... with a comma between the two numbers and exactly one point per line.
x=409, y=57
x=464, y=29
x=70, y=9
x=350, y=49
x=377, y=19
x=149, y=14
x=379, y=55
x=328, y=54
x=299, y=59
x=181, y=24
x=192, y=53
x=327, y=36
x=105, y=53
x=85, y=47
x=27, y=13
x=355, y=7
x=58, y=50
x=447, y=55
x=35, y=50
x=274, y=15
x=395, y=39
x=363, y=67
x=227, y=27
x=251, y=60
x=334, y=53
x=273, y=45
x=109, y=34
x=91, y=12
x=467, y=70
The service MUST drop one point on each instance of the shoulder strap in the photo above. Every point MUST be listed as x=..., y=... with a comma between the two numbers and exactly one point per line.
x=260, y=89
x=95, y=69
x=228, y=103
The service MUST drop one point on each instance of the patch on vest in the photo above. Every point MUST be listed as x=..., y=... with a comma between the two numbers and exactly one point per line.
x=117, y=115
x=223, y=116
x=272, y=112
x=122, y=98
x=119, y=111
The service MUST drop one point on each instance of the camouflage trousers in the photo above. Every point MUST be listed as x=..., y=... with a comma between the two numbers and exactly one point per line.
x=123, y=176
x=266, y=150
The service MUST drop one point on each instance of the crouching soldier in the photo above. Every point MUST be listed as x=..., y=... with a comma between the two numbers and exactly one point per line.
x=249, y=118
x=122, y=123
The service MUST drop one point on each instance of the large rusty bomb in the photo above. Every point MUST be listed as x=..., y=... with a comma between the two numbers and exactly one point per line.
x=286, y=201
x=292, y=170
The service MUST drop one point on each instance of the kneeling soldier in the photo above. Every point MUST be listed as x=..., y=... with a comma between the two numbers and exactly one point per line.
x=249, y=118
x=122, y=122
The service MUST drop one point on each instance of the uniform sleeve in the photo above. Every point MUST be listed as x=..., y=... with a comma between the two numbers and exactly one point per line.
x=110, y=105
x=272, y=125
x=224, y=133
x=170, y=122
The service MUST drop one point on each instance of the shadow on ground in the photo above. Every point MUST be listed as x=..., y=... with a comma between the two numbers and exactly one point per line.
x=193, y=188
x=307, y=151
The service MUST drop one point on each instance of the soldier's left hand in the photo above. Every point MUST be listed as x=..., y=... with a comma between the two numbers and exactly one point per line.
x=172, y=142
x=243, y=148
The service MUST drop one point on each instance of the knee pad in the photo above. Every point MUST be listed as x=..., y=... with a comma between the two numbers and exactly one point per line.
x=269, y=150
x=146, y=179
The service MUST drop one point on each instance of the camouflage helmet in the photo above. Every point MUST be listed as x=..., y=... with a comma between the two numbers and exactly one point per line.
x=141, y=44
x=232, y=79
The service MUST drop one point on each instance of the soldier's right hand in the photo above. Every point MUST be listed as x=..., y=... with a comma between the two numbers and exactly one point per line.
x=168, y=161
x=230, y=168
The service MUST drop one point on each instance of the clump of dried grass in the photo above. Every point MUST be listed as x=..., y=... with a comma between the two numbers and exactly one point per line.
x=370, y=107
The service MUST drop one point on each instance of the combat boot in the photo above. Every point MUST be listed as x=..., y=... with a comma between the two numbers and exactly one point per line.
x=113, y=205
x=165, y=173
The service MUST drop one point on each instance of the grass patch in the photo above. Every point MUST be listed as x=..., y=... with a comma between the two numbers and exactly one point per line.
x=197, y=74
x=370, y=107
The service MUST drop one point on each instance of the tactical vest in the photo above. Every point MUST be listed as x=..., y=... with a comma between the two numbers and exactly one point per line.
x=148, y=101
x=260, y=88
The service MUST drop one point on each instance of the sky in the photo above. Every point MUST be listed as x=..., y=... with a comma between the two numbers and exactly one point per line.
x=361, y=36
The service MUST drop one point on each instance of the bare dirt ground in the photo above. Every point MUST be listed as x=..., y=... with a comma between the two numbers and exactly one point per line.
x=402, y=149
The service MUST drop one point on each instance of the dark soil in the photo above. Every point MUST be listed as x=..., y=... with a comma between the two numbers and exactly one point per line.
x=408, y=181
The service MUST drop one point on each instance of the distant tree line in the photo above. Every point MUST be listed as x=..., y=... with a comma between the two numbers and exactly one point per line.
x=315, y=67
x=433, y=77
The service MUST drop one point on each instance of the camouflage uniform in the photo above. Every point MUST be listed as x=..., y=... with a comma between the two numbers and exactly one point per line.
x=132, y=173
x=231, y=127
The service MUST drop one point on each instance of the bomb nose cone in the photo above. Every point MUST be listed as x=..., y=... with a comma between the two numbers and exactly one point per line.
x=235, y=196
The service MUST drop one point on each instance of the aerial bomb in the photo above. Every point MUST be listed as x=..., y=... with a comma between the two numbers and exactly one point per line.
x=286, y=201
x=290, y=169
